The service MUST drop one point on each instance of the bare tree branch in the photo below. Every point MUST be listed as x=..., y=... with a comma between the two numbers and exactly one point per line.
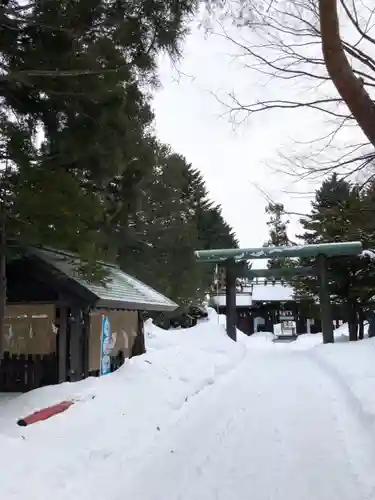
x=282, y=42
x=355, y=21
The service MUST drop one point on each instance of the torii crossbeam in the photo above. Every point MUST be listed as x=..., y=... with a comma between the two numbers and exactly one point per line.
x=229, y=257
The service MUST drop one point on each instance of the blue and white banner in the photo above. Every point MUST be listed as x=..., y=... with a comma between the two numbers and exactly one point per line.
x=105, y=346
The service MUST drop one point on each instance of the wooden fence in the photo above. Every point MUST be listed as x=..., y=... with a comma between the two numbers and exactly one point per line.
x=22, y=373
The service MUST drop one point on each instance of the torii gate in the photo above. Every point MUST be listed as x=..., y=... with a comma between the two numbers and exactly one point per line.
x=228, y=258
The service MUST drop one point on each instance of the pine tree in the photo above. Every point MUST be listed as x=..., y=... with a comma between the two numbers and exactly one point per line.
x=73, y=112
x=174, y=217
x=159, y=248
x=78, y=69
x=338, y=215
x=278, y=230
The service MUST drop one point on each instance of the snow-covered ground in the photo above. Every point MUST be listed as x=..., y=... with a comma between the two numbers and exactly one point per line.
x=201, y=417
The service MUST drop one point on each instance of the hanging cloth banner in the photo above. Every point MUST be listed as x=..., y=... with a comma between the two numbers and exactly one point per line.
x=105, y=346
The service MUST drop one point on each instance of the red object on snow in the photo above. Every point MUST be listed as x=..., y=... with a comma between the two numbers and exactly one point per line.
x=45, y=413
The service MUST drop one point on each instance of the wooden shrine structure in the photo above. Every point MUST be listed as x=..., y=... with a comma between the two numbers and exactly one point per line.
x=230, y=258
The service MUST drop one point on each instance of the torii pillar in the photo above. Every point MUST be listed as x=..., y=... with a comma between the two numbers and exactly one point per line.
x=230, y=293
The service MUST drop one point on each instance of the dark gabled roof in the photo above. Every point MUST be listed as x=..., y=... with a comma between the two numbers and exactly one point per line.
x=120, y=291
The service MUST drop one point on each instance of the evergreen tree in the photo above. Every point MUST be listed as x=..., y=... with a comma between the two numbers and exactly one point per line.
x=72, y=73
x=278, y=231
x=212, y=229
x=172, y=218
x=72, y=93
x=74, y=111
x=338, y=215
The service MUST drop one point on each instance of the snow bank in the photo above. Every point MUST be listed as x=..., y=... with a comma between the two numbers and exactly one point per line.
x=264, y=340
x=261, y=340
x=352, y=365
x=84, y=453
x=79, y=454
x=341, y=335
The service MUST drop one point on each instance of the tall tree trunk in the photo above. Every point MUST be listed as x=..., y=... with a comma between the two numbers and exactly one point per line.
x=361, y=330
x=4, y=189
x=347, y=84
x=3, y=278
x=352, y=320
x=371, y=325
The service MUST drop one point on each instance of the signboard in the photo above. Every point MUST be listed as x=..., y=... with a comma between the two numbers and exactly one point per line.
x=288, y=325
x=286, y=315
x=105, y=346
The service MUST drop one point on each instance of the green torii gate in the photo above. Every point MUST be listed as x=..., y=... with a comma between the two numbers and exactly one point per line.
x=228, y=258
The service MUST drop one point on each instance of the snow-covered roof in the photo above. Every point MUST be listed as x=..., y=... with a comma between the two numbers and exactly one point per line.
x=242, y=299
x=272, y=293
x=120, y=290
x=258, y=292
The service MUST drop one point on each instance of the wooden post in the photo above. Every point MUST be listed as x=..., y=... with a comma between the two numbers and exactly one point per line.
x=75, y=344
x=61, y=355
x=139, y=346
x=325, y=301
x=300, y=322
x=251, y=323
x=230, y=291
x=86, y=344
x=268, y=323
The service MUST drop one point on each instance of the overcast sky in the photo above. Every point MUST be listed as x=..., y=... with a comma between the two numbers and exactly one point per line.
x=238, y=162
x=232, y=159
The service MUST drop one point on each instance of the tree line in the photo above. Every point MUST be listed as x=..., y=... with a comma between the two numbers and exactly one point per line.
x=78, y=152
x=341, y=211
x=82, y=168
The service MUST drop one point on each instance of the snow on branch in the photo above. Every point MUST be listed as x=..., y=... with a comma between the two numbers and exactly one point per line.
x=369, y=253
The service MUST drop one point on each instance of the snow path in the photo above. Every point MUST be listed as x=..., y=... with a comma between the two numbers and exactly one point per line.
x=280, y=427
